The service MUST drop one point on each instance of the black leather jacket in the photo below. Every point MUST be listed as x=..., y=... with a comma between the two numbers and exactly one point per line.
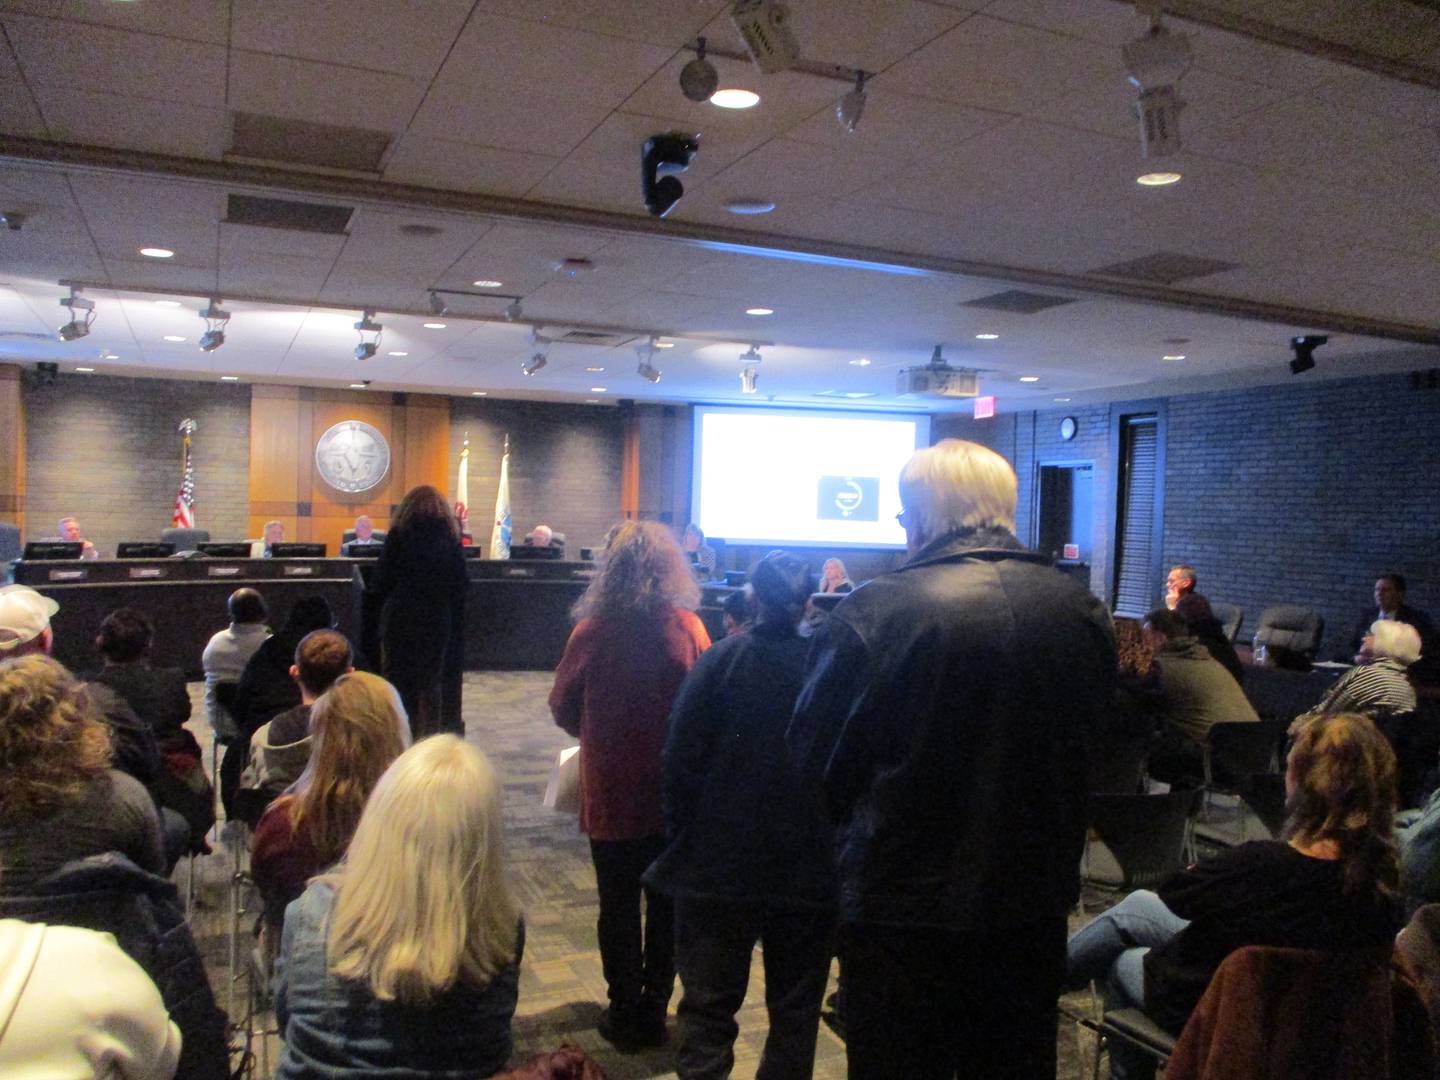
x=944, y=721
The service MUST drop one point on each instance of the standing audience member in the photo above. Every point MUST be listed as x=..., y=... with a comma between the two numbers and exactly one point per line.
x=637, y=638
x=266, y=688
x=420, y=583
x=943, y=725
x=111, y=1024
x=60, y=800
x=229, y=650
x=834, y=578
x=359, y=728
x=1329, y=884
x=405, y=962
x=1195, y=694
x=701, y=554
x=1181, y=598
x=70, y=533
x=280, y=748
x=749, y=857
x=737, y=613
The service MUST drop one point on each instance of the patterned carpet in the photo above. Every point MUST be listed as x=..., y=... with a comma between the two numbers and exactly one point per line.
x=561, y=986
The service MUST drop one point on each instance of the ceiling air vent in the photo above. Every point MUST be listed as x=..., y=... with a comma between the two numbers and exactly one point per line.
x=286, y=214
x=300, y=142
x=596, y=337
x=1017, y=300
x=1166, y=268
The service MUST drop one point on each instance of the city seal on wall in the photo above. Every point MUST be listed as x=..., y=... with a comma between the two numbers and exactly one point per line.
x=352, y=456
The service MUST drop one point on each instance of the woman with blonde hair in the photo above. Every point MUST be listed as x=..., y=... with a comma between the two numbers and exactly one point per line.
x=358, y=727
x=406, y=959
x=1329, y=883
x=637, y=638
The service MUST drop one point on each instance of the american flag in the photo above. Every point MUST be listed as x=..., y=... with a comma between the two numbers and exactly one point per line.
x=184, y=516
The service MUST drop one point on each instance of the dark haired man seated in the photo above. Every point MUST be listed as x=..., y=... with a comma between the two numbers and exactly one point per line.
x=280, y=748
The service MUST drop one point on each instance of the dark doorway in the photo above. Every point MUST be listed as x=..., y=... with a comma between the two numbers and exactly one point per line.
x=1066, y=518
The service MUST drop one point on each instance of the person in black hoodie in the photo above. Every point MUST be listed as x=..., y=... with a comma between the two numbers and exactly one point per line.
x=749, y=854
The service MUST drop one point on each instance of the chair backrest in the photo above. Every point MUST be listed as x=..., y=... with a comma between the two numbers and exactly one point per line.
x=1238, y=749
x=1229, y=616
x=185, y=539
x=10, y=546
x=1147, y=834
x=1264, y=794
x=1292, y=628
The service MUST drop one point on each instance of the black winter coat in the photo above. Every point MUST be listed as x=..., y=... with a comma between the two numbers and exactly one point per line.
x=944, y=721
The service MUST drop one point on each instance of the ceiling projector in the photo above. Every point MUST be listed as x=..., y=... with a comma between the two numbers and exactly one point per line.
x=938, y=380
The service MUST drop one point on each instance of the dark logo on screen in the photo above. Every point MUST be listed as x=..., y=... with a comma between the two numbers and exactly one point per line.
x=849, y=498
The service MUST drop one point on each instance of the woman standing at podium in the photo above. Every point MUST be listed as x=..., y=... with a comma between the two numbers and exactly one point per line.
x=419, y=584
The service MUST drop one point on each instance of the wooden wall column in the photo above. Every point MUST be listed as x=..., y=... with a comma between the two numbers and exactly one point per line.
x=12, y=446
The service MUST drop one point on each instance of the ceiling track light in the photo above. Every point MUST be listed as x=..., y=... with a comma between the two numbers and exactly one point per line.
x=644, y=356
x=367, y=349
x=216, y=320
x=437, y=303
x=698, y=78
x=1304, y=348
x=77, y=327
x=749, y=377
x=1154, y=64
x=541, y=355
x=852, y=105
x=513, y=311
x=750, y=356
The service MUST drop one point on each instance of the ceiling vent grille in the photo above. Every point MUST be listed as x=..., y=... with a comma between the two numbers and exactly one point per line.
x=1166, y=268
x=286, y=214
x=604, y=339
x=1017, y=300
x=301, y=142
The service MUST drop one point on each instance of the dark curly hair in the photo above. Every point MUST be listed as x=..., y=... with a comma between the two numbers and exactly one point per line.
x=53, y=742
x=642, y=572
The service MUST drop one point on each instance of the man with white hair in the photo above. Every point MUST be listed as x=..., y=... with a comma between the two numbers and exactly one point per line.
x=69, y=528
x=943, y=723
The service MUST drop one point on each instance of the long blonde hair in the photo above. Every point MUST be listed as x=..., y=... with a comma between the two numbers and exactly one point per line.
x=52, y=740
x=359, y=728
x=642, y=572
x=423, y=899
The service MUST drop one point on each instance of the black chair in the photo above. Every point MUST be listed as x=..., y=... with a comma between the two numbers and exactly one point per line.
x=185, y=539
x=1230, y=618
x=1236, y=751
x=377, y=537
x=10, y=548
x=1264, y=794
x=1149, y=835
x=1288, y=630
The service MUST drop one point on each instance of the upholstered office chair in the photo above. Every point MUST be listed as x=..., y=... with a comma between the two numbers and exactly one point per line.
x=1289, y=628
x=1236, y=752
x=1149, y=835
x=185, y=539
x=1230, y=617
x=10, y=548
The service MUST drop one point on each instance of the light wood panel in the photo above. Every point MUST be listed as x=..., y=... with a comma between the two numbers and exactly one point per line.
x=12, y=447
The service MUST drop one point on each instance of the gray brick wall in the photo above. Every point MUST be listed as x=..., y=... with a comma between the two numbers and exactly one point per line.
x=107, y=451
x=564, y=466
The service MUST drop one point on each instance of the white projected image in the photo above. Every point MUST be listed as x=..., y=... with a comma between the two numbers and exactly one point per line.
x=796, y=477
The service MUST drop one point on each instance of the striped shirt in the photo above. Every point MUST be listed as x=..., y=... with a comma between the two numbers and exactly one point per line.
x=1374, y=690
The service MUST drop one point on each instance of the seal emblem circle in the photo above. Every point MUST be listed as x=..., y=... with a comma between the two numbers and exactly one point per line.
x=352, y=456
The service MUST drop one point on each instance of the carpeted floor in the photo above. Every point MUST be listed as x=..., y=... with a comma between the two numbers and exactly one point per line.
x=561, y=989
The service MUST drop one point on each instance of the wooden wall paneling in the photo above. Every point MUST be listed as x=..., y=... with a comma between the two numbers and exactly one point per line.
x=630, y=467
x=427, y=442
x=12, y=447
x=274, y=450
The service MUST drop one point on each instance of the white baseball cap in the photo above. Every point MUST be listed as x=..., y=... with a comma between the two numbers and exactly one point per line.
x=24, y=615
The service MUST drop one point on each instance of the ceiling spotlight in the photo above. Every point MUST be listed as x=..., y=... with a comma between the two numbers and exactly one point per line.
x=765, y=26
x=368, y=347
x=534, y=364
x=540, y=357
x=750, y=356
x=849, y=108
x=513, y=311
x=748, y=378
x=1154, y=63
x=216, y=320
x=698, y=78
x=1304, y=348
x=735, y=98
x=437, y=303
x=644, y=352
x=77, y=327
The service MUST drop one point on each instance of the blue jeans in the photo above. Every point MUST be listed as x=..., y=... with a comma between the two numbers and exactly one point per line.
x=1111, y=951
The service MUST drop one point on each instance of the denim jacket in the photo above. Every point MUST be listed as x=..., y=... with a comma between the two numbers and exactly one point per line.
x=336, y=1029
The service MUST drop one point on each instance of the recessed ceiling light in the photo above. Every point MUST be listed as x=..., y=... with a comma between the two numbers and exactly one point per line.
x=157, y=253
x=750, y=207
x=735, y=99
x=986, y=337
x=399, y=354
x=1029, y=378
x=864, y=361
x=478, y=393
x=593, y=370
x=486, y=283
x=598, y=389
x=1173, y=356
x=173, y=337
x=1157, y=179
x=109, y=356
x=1062, y=400
x=759, y=311
x=592, y=401
x=359, y=386
x=433, y=325
x=229, y=378
x=664, y=344
x=167, y=303
x=86, y=370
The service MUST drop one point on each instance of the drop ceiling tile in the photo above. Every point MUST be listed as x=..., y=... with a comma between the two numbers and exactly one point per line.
x=660, y=22
x=18, y=114
x=137, y=273
x=322, y=93
x=456, y=109
x=74, y=55
x=115, y=203
x=377, y=34
x=622, y=135
x=592, y=180
x=1372, y=93
x=458, y=166
x=376, y=238
x=1102, y=21
x=1255, y=61
x=241, y=243
x=287, y=277
x=1296, y=133
x=193, y=20
x=782, y=169
x=132, y=123
x=901, y=125
x=864, y=34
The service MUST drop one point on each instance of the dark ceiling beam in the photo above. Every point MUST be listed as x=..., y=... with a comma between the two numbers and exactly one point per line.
x=373, y=191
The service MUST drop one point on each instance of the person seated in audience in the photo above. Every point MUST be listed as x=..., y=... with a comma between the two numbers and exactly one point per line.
x=700, y=554
x=111, y=1024
x=280, y=748
x=1377, y=685
x=365, y=535
x=60, y=800
x=405, y=961
x=229, y=650
x=1417, y=832
x=737, y=613
x=833, y=577
x=1330, y=884
x=749, y=857
x=266, y=688
x=69, y=532
x=1194, y=694
x=1181, y=598
x=359, y=727
x=273, y=533
x=157, y=694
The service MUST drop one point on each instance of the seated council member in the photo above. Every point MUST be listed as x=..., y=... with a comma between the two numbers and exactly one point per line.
x=405, y=961
x=273, y=534
x=70, y=533
x=1329, y=884
x=365, y=536
x=1390, y=605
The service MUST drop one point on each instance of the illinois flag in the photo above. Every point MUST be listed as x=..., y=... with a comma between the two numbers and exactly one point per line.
x=500, y=534
x=462, y=491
